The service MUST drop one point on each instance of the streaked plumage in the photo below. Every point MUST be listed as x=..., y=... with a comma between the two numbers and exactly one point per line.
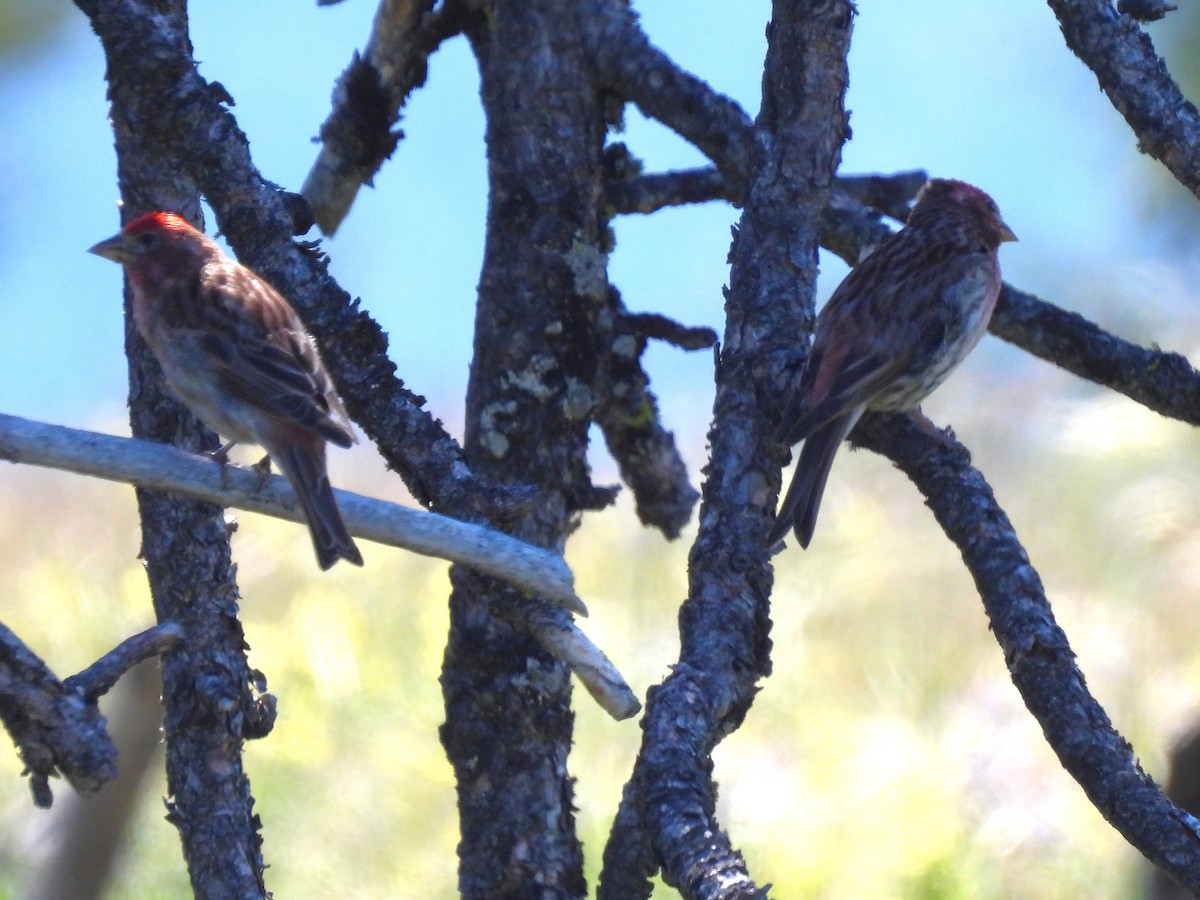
x=893, y=330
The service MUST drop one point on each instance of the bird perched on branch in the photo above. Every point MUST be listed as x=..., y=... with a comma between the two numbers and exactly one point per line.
x=233, y=349
x=891, y=333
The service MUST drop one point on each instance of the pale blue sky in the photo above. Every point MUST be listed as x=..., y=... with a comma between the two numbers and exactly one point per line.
x=983, y=92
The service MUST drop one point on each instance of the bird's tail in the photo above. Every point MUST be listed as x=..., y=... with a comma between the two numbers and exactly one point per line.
x=304, y=465
x=802, y=502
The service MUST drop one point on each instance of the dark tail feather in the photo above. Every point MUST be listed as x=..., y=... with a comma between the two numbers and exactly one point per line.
x=304, y=467
x=802, y=502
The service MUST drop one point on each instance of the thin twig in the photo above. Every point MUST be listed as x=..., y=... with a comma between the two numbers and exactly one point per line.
x=100, y=676
x=556, y=631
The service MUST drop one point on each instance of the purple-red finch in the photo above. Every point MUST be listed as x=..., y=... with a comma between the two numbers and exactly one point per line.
x=233, y=349
x=891, y=333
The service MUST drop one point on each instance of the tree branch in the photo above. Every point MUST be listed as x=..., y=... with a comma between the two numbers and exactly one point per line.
x=57, y=726
x=167, y=468
x=210, y=706
x=357, y=137
x=1036, y=650
x=97, y=679
x=636, y=193
x=627, y=413
x=560, y=636
x=649, y=193
x=724, y=626
x=530, y=398
x=891, y=194
x=634, y=68
x=1136, y=80
x=1164, y=382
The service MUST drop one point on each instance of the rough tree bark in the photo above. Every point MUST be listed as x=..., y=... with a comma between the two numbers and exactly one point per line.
x=210, y=705
x=667, y=816
x=529, y=401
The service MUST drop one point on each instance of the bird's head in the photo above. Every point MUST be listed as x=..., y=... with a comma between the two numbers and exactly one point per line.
x=940, y=195
x=154, y=235
x=158, y=248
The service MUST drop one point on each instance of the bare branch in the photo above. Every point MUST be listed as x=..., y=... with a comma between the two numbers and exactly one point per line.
x=724, y=628
x=169, y=469
x=1036, y=651
x=56, y=725
x=640, y=72
x=892, y=194
x=357, y=137
x=627, y=413
x=209, y=709
x=650, y=193
x=560, y=636
x=96, y=680
x=537, y=571
x=661, y=328
x=1164, y=382
x=1136, y=80
x=849, y=229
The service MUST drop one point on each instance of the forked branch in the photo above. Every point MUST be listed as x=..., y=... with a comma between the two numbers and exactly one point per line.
x=56, y=725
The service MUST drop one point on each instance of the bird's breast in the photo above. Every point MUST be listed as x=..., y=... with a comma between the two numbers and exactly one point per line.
x=967, y=305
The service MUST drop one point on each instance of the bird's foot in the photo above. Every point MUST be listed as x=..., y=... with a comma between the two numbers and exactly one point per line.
x=944, y=436
x=221, y=457
x=221, y=454
x=262, y=469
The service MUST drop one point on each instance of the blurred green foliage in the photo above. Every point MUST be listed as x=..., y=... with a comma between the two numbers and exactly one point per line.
x=889, y=755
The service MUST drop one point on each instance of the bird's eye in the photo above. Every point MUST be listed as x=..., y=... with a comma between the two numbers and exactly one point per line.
x=146, y=240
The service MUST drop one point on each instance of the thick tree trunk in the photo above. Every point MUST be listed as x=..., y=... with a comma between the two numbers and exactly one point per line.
x=210, y=708
x=529, y=404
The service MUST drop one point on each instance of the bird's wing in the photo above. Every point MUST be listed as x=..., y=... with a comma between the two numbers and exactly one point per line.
x=861, y=348
x=282, y=375
x=848, y=387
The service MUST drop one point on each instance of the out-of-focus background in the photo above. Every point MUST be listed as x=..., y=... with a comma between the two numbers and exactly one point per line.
x=889, y=755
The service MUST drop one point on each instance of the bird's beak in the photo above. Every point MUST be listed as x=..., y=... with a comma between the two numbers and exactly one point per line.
x=1006, y=233
x=115, y=248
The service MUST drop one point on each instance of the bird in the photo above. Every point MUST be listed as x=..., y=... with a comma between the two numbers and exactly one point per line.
x=891, y=333
x=236, y=353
